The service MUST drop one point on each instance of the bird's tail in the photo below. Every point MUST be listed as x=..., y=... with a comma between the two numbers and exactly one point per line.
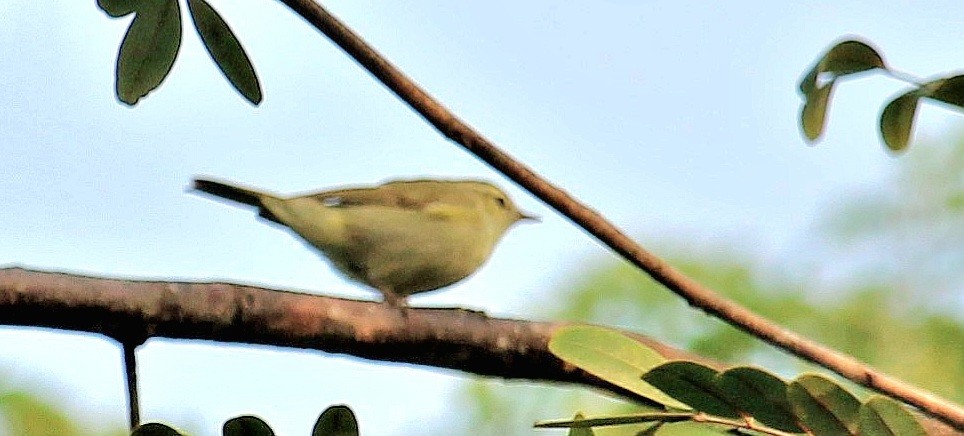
x=247, y=196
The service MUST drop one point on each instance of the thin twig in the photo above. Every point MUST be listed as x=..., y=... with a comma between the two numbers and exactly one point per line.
x=130, y=375
x=693, y=292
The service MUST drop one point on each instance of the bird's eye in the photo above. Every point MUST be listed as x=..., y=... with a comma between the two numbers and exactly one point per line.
x=501, y=201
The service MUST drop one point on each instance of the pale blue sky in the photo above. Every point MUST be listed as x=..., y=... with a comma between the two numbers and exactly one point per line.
x=676, y=120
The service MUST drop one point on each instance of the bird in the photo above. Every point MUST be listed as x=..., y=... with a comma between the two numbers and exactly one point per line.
x=401, y=237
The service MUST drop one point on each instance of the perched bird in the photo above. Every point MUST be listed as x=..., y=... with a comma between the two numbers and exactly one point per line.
x=401, y=237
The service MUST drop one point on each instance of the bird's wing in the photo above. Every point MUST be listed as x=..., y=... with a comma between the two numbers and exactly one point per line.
x=385, y=195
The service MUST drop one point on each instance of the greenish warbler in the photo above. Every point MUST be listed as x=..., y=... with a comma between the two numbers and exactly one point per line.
x=401, y=237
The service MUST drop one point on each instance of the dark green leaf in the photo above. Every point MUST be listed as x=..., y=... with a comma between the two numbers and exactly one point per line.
x=823, y=406
x=225, y=49
x=336, y=421
x=638, y=418
x=118, y=8
x=760, y=395
x=148, y=50
x=693, y=384
x=246, y=425
x=897, y=120
x=154, y=429
x=613, y=357
x=809, y=82
x=883, y=416
x=813, y=116
x=949, y=90
x=651, y=431
x=847, y=57
x=851, y=57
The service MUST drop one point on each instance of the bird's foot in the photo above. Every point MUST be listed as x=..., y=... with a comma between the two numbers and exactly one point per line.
x=396, y=302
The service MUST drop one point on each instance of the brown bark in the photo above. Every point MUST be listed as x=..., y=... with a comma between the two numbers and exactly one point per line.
x=132, y=311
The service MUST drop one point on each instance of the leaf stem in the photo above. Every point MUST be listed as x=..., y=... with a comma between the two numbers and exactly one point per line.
x=905, y=77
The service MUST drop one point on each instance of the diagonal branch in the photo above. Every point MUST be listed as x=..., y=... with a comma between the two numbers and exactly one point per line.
x=693, y=292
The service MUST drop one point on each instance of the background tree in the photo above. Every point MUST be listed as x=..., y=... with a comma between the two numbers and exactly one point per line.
x=902, y=320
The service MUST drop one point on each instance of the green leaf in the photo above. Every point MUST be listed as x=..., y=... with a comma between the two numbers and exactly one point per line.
x=809, y=82
x=613, y=357
x=118, y=8
x=949, y=90
x=225, y=49
x=246, y=425
x=883, y=416
x=694, y=384
x=847, y=57
x=638, y=418
x=148, y=50
x=844, y=58
x=336, y=421
x=813, y=116
x=761, y=395
x=651, y=431
x=897, y=120
x=154, y=429
x=823, y=406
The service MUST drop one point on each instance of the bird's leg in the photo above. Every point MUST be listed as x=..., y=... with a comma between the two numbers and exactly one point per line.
x=394, y=300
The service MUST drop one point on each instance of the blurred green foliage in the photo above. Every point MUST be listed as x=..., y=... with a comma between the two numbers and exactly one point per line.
x=27, y=415
x=881, y=278
x=24, y=413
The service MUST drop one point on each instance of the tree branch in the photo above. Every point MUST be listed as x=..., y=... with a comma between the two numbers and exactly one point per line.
x=132, y=311
x=693, y=292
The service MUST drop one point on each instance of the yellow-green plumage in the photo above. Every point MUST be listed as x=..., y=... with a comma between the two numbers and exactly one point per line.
x=401, y=237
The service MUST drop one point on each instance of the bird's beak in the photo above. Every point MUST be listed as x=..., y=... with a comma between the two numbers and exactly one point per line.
x=525, y=217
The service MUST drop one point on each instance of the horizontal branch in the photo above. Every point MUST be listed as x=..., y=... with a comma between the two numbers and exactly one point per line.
x=131, y=311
